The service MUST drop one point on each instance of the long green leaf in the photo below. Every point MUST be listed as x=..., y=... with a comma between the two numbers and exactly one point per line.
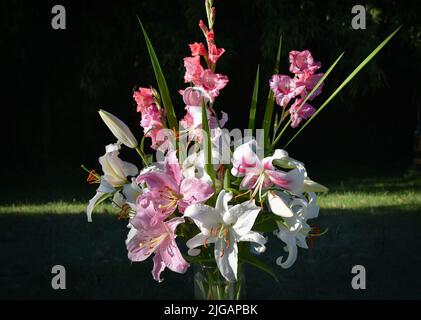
x=162, y=83
x=248, y=258
x=252, y=117
x=207, y=147
x=308, y=96
x=267, y=119
x=345, y=82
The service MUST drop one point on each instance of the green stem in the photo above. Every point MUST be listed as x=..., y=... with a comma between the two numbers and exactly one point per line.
x=141, y=155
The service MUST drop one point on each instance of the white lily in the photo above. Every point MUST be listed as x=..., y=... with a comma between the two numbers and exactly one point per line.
x=115, y=176
x=295, y=229
x=119, y=129
x=224, y=226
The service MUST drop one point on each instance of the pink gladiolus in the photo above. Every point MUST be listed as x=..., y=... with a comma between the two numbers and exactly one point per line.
x=194, y=96
x=299, y=113
x=168, y=190
x=309, y=82
x=151, y=115
x=302, y=62
x=210, y=36
x=152, y=124
x=193, y=69
x=212, y=82
x=144, y=98
x=285, y=88
x=259, y=174
x=198, y=49
x=215, y=53
x=158, y=238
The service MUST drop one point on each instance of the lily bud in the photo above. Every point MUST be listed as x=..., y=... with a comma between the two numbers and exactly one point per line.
x=312, y=186
x=278, y=205
x=119, y=129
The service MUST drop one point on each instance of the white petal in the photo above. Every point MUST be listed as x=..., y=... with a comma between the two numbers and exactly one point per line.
x=227, y=258
x=197, y=241
x=203, y=216
x=222, y=202
x=278, y=205
x=255, y=237
x=91, y=205
x=291, y=247
x=244, y=215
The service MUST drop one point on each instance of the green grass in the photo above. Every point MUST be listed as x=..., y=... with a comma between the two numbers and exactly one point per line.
x=373, y=221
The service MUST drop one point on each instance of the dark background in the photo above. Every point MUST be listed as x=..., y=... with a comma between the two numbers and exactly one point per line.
x=56, y=80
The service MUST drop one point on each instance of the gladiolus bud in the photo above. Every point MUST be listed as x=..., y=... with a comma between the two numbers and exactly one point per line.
x=119, y=129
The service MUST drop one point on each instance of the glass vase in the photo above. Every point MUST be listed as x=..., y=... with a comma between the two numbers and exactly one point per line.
x=209, y=284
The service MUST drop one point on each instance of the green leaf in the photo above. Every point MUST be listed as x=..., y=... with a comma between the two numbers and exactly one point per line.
x=227, y=179
x=248, y=258
x=252, y=116
x=345, y=82
x=267, y=119
x=207, y=145
x=308, y=96
x=162, y=83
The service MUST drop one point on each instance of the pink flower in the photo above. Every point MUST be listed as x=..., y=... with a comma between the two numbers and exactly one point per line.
x=152, y=124
x=215, y=53
x=193, y=96
x=203, y=26
x=144, y=98
x=298, y=114
x=158, y=238
x=212, y=82
x=192, y=122
x=198, y=49
x=309, y=81
x=259, y=174
x=285, y=88
x=168, y=190
x=193, y=69
x=210, y=36
x=302, y=62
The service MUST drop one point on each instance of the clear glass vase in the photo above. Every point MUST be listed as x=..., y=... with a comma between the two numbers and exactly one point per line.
x=209, y=284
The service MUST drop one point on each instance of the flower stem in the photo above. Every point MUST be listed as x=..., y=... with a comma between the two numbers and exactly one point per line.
x=141, y=155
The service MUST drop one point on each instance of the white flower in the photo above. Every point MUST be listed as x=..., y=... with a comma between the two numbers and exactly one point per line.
x=119, y=129
x=224, y=226
x=295, y=229
x=115, y=176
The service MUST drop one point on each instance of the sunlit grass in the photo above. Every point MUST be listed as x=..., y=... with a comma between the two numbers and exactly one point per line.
x=373, y=195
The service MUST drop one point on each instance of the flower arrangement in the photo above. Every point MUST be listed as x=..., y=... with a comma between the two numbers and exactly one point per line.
x=216, y=192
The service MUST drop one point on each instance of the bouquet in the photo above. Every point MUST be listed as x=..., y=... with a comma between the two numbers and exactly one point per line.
x=208, y=196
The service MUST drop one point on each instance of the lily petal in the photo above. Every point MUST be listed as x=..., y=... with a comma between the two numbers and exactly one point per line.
x=255, y=237
x=243, y=215
x=204, y=217
x=227, y=259
x=278, y=205
x=222, y=202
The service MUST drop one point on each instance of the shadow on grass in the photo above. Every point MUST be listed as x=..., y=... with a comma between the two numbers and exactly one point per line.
x=94, y=255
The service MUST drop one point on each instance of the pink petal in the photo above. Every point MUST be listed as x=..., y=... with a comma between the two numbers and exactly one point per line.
x=158, y=267
x=194, y=191
x=172, y=167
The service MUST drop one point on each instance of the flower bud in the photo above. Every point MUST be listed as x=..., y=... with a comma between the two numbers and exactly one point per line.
x=119, y=129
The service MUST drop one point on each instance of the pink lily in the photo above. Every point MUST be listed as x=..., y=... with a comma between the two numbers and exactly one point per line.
x=157, y=238
x=259, y=173
x=168, y=189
